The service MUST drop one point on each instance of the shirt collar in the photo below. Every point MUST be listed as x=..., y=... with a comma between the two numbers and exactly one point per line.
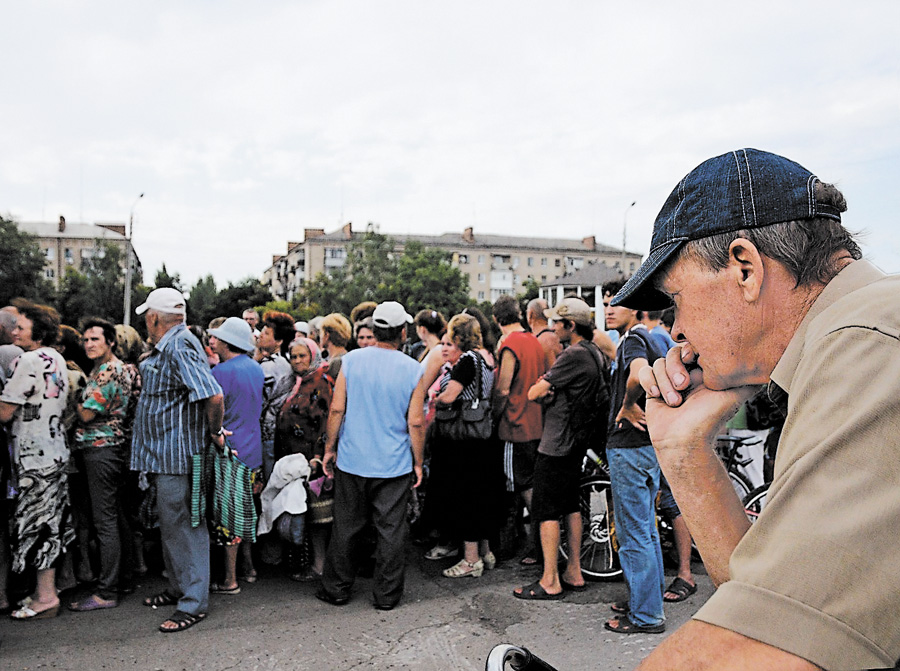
x=168, y=336
x=855, y=276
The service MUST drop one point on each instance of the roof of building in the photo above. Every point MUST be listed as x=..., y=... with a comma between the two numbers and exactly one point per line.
x=84, y=231
x=590, y=275
x=483, y=240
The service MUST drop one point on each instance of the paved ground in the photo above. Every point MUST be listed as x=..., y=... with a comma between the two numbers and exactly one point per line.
x=278, y=624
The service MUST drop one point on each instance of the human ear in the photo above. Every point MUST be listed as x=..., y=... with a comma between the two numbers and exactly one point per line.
x=746, y=266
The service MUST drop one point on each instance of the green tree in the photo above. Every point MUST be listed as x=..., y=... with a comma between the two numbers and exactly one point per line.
x=235, y=298
x=373, y=271
x=164, y=279
x=21, y=265
x=97, y=290
x=426, y=279
x=203, y=301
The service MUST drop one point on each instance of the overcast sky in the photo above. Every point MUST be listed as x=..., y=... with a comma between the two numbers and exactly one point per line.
x=244, y=123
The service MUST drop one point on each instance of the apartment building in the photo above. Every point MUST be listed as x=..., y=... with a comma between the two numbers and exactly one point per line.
x=494, y=264
x=72, y=245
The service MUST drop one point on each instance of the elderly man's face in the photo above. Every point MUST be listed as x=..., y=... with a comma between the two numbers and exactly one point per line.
x=722, y=329
x=251, y=318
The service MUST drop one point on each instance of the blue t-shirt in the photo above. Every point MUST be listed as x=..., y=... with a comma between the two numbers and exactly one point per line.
x=374, y=440
x=241, y=379
x=662, y=338
x=636, y=344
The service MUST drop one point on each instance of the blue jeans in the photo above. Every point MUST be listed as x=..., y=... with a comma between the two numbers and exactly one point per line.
x=185, y=548
x=634, y=475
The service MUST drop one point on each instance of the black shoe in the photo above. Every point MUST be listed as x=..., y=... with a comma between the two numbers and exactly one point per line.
x=385, y=606
x=325, y=596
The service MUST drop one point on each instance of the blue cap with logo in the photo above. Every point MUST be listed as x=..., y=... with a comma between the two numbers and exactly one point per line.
x=743, y=189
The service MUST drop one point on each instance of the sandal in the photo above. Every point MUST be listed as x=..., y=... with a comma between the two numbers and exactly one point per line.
x=182, y=621
x=161, y=599
x=490, y=561
x=624, y=625
x=92, y=602
x=681, y=588
x=28, y=613
x=536, y=592
x=620, y=607
x=464, y=568
x=216, y=588
x=569, y=587
x=250, y=576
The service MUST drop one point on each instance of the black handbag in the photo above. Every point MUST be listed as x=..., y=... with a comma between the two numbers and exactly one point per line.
x=466, y=420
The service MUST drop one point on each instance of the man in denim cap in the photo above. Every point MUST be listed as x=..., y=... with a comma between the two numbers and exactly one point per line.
x=769, y=289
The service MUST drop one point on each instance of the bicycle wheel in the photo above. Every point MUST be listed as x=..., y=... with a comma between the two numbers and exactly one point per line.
x=741, y=484
x=755, y=501
x=599, y=559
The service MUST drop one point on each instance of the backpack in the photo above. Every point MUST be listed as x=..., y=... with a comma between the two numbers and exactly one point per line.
x=590, y=412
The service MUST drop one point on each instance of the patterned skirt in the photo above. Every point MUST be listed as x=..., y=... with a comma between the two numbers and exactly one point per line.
x=43, y=519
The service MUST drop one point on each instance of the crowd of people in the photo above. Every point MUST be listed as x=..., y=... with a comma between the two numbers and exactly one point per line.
x=347, y=429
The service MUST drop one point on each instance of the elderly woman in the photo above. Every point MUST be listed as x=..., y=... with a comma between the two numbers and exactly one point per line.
x=102, y=453
x=34, y=399
x=474, y=466
x=301, y=430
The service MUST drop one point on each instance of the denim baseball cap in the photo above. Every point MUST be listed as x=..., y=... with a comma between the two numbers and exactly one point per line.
x=743, y=189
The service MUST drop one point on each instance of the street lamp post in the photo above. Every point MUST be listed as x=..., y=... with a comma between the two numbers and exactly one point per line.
x=128, y=271
x=624, y=229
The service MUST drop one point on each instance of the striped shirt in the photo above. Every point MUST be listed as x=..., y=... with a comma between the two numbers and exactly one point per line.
x=170, y=422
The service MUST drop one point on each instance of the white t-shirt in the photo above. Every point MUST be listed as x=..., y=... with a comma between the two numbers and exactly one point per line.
x=39, y=386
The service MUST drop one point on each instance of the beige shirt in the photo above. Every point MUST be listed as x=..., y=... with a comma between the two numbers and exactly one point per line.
x=818, y=574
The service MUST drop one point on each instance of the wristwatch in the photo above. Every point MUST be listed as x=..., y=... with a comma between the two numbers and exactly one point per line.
x=220, y=432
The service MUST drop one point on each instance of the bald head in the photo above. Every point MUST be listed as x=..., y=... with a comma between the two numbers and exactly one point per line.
x=535, y=310
x=8, y=319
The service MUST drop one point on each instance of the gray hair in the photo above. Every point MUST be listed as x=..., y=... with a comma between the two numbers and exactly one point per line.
x=806, y=247
x=8, y=321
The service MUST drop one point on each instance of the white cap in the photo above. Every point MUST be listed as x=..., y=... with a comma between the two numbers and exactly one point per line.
x=235, y=331
x=166, y=300
x=301, y=327
x=390, y=314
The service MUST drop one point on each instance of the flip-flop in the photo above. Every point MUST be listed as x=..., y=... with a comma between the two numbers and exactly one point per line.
x=92, y=602
x=182, y=621
x=569, y=587
x=624, y=625
x=528, y=560
x=681, y=588
x=215, y=588
x=536, y=592
x=161, y=599
x=620, y=607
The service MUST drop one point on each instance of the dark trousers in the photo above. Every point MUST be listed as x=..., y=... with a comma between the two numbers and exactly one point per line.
x=104, y=468
x=355, y=500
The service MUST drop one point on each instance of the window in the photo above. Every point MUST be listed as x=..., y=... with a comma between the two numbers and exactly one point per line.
x=463, y=259
x=481, y=295
x=557, y=263
x=543, y=263
x=543, y=278
x=50, y=253
x=530, y=261
x=481, y=259
x=70, y=258
x=632, y=266
x=481, y=277
x=49, y=273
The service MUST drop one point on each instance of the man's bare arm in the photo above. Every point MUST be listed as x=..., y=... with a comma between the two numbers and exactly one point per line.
x=333, y=426
x=215, y=413
x=683, y=431
x=416, y=426
x=504, y=380
x=7, y=410
x=698, y=646
x=630, y=410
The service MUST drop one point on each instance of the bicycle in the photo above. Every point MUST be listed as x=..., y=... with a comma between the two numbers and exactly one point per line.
x=599, y=550
x=755, y=501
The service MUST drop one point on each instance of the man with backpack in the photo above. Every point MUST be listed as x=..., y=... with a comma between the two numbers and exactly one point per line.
x=575, y=396
x=634, y=475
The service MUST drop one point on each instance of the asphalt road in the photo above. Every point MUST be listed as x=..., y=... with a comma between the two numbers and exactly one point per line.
x=277, y=624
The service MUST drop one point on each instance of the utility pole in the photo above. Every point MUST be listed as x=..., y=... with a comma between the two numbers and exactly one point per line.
x=624, y=229
x=128, y=270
